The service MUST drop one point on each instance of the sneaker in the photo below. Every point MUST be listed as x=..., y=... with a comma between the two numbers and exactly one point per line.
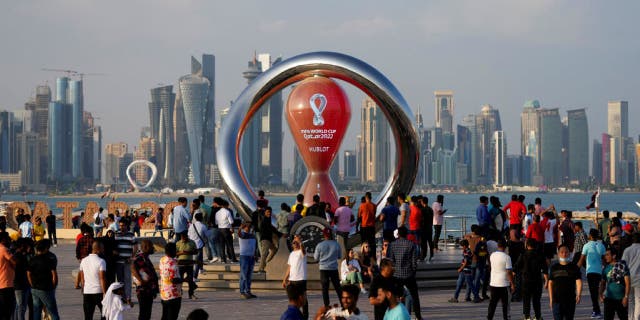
x=596, y=315
x=214, y=260
x=477, y=300
x=193, y=297
x=453, y=300
x=55, y=245
x=252, y=296
x=245, y=296
x=364, y=291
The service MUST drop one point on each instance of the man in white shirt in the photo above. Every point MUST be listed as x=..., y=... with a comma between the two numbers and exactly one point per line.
x=438, y=219
x=296, y=274
x=26, y=228
x=501, y=280
x=93, y=280
x=632, y=256
x=197, y=233
x=98, y=222
x=224, y=220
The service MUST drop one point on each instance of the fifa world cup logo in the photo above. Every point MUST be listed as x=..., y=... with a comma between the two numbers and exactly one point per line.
x=318, y=113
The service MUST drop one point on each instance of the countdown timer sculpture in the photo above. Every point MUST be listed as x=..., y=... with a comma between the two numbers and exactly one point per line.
x=312, y=112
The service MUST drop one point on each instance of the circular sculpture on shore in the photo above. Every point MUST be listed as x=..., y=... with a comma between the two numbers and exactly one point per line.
x=154, y=174
x=326, y=64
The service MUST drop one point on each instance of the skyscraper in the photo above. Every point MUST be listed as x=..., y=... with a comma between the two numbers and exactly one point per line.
x=596, y=170
x=251, y=146
x=464, y=148
x=60, y=140
x=76, y=99
x=350, y=170
x=578, y=138
x=41, y=127
x=444, y=110
x=195, y=91
x=487, y=122
x=114, y=154
x=618, y=129
x=7, y=139
x=375, y=146
x=146, y=151
x=500, y=154
x=550, y=146
x=209, y=126
x=162, y=130
x=530, y=133
x=262, y=146
x=606, y=158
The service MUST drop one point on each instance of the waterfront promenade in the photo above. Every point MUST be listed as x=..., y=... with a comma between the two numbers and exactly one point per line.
x=228, y=304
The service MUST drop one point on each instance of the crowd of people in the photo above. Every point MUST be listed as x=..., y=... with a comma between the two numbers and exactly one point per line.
x=512, y=254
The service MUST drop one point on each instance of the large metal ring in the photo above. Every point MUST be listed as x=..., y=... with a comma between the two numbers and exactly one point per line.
x=329, y=64
x=154, y=174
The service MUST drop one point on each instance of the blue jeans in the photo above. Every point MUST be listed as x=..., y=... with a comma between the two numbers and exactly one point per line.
x=213, y=242
x=22, y=302
x=468, y=278
x=197, y=267
x=246, y=272
x=564, y=311
x=478, y=278
x=46, y=299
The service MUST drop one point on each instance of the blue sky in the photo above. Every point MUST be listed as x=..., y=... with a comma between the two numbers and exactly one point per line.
x=567, y=54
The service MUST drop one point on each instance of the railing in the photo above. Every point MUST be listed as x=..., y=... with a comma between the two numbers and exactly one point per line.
x=459, y=228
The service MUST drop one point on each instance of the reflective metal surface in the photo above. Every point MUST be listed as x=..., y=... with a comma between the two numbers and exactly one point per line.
x=329, y=64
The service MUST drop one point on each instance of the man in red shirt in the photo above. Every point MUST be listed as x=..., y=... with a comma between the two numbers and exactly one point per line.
x=415, y=220
x=536, y=232
x=367, y=221
x=516, y=211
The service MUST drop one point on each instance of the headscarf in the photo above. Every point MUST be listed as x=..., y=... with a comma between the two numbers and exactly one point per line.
x=112, y=305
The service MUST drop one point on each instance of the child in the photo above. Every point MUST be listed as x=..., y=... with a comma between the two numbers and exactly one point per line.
x=247, y=242
x=465, y=273
x=350, y=271
x=113, y=303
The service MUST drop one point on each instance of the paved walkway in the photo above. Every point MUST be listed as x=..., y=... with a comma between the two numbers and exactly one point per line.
x=271, y=304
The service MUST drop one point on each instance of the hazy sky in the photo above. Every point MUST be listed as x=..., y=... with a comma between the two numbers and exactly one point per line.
x=567, y=54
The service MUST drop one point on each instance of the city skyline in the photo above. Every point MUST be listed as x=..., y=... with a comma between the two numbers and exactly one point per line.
x=501, y=53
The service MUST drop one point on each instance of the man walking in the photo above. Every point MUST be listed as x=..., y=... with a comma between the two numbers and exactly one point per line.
x=405, y=258
x=565, y=286
x=126, y=245
x=343, y=220
x=438, y=219
x=327, y=254
x=180, y=218
x=426, y=234
x=146, y=279
x=532, y=267
x=632, y=256
x=224, y=220
x=43, y=278
x=389, y=218
x=615, y=286
x=483, y=216
x=93, y=280
x=51, y=228
x=592, y=253
x=501, y=279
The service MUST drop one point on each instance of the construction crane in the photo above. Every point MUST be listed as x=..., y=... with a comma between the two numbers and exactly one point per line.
x=71, y=73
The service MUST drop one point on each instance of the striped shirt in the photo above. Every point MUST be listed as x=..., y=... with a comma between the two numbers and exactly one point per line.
x=125, y=242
